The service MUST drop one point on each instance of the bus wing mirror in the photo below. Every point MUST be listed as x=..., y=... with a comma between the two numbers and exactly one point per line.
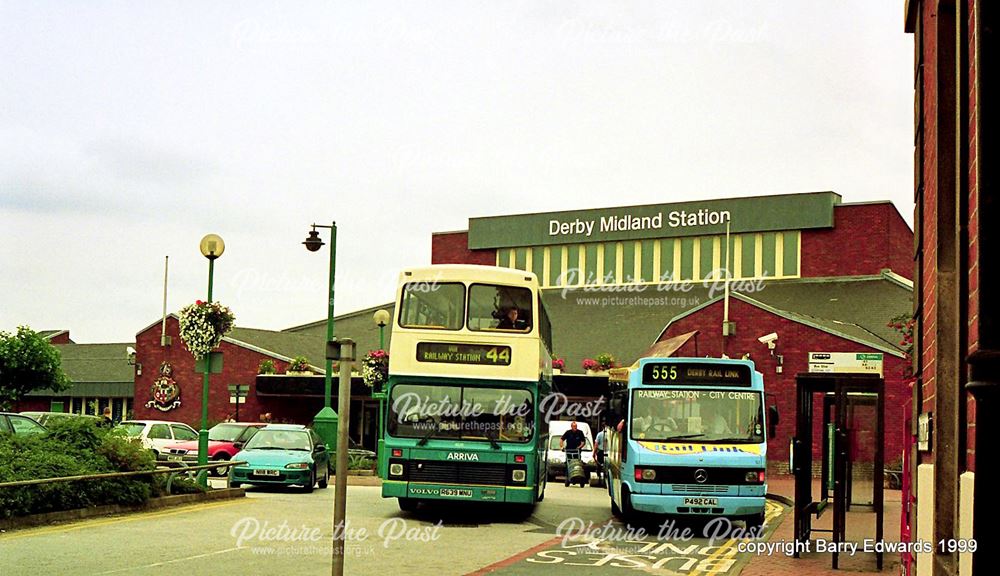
x=772, y=421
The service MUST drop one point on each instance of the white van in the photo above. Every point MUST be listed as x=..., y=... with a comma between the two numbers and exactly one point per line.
x=557, y=458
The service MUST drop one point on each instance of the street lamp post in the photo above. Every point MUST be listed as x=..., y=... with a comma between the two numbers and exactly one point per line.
x=326, y=420
x=381, y=318
x=211, y=247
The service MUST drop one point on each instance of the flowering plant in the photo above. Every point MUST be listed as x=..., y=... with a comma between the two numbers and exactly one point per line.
x=375, y=368
x=606, y=361
x=203, y=325
x=558, y=363
x=903, y=324
x=590, y=364
x=298, y=364
x=266, y=367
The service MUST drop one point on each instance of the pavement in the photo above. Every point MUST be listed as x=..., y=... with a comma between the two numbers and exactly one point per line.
x=860, y=526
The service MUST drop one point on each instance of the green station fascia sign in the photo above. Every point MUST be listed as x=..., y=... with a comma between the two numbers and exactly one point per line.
x=705, y=217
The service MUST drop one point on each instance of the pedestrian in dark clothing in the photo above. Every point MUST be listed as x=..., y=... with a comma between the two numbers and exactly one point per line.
x=571, y=443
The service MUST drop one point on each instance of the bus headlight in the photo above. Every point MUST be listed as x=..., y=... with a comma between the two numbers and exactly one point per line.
x=519, y=476
x=395, y=469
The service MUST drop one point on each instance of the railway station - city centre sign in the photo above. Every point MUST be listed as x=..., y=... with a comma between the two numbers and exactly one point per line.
x=708, y=217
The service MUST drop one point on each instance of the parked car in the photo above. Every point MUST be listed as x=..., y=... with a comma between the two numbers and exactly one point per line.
x=283, y=454
x=11, y=423
x=44, y=418
x=224, y=440
x=156, y=435
x=557, y=458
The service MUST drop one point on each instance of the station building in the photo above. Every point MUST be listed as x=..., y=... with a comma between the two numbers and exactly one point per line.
x=823, y=275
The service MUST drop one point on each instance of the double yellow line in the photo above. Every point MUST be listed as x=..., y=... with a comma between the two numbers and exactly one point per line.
x=27, y=533
x=771, y=512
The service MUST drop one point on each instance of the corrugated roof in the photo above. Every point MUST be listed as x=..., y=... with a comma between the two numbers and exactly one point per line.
x=95, y=370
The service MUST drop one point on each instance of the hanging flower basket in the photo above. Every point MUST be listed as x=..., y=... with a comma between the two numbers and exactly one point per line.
x=203, y=325
x=375, y=369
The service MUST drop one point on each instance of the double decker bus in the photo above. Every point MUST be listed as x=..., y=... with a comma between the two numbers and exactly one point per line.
x=469, y=363
x=687, y=436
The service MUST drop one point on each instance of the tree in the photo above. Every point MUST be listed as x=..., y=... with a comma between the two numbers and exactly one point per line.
x=28, y=363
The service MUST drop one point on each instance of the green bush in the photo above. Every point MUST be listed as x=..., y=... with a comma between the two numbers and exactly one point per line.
x=360, y=463
x=73, y=447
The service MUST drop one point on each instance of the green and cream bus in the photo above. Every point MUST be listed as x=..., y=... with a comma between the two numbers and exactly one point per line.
x=469, y=364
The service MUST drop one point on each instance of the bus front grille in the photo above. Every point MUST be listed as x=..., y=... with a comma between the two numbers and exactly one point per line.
x=700, y=488
x=456, y=473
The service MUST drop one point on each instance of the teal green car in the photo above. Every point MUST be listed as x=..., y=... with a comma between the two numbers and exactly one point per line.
x=283, y=454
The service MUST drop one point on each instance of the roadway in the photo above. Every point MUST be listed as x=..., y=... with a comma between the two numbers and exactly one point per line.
x=286, y=531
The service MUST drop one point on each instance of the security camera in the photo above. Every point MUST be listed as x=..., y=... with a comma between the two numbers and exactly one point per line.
x=769, y=339
x=130, y=350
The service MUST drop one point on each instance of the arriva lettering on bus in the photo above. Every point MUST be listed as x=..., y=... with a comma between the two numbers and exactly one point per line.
x=466, y=456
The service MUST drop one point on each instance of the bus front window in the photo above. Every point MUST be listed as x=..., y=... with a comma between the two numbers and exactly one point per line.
x=703, y=415
x=502, y=308
x=461, y=413
x=439, y=306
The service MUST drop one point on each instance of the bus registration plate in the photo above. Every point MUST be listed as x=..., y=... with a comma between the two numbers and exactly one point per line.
x=701, y=501
x=456, y=493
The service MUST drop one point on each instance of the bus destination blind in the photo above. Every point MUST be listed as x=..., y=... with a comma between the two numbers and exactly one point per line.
x=449, y=353
x=696, y=374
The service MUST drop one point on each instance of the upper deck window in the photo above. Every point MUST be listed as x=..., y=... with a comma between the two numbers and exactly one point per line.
x=500, y=308
x=439, y=306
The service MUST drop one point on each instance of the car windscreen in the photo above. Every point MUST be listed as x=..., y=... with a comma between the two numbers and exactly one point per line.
x=225, y=432
x=461, y=413
x=131, y=428
x=554, y=442
x=704, y=415
x=280, y=440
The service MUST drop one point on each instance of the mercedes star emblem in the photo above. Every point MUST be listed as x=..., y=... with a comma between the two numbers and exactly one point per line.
x=700, y=475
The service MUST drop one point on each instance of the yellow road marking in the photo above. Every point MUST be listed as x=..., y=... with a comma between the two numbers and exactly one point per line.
x=116, y=520
x=771, y=511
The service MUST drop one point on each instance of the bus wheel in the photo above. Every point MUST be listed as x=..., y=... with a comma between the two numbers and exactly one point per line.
x=755, y=524
x=628, y=513
x=407, y=504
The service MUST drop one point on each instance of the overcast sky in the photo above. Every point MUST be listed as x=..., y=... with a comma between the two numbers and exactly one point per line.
x=128, y=130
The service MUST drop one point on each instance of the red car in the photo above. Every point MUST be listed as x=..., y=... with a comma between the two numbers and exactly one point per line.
x=224, y=440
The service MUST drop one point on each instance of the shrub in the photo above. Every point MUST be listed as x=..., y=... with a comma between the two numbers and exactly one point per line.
x=73, y=447
x=298, y=364
x=266, y=367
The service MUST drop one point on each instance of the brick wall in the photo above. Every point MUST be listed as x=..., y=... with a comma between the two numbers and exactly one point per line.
x=865, y=238
x=974, y=268
x=239, y=367
x=453, y=248
x=795, y=341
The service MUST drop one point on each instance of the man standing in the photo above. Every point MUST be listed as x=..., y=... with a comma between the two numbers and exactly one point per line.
x=599, y=449
x=571, y=443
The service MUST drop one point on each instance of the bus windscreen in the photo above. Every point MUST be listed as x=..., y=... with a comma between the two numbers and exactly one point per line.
x=697, y=414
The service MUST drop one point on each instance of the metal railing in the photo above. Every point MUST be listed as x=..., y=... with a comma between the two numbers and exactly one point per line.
x=171, y=472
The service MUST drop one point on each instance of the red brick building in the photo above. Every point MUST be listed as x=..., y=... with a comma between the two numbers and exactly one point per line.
x=957, y=345
x=822, y=275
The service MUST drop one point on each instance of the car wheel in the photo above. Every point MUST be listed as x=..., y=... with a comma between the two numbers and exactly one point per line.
x=325, y=481
x=407, y=504
x=221, y=470
x=311, y=483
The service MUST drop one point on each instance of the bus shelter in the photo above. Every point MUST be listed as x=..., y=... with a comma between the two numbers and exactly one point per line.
x=852, y=431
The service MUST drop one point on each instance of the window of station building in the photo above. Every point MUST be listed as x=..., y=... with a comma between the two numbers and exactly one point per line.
x=493, y=307
x=684, y=259
x=438, y=306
